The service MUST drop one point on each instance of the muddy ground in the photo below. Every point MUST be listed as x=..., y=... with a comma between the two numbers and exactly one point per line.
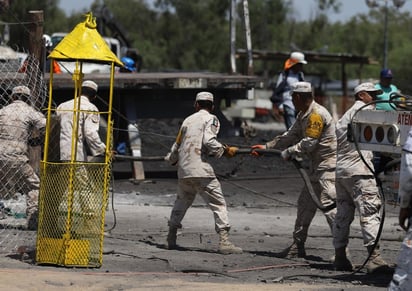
x=261, y=195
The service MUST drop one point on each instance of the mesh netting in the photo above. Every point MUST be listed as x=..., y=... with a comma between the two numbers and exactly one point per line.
x=73, y=196
x=28, y=73
x=71, y=213
x=16, y=177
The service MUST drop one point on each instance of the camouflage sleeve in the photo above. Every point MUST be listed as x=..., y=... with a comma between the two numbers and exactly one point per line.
x=210, y=142
x=287, y=139
x=91, y=134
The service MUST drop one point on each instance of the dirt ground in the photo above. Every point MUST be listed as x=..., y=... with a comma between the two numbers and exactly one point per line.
x=261, y=195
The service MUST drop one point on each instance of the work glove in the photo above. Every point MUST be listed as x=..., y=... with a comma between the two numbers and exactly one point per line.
x=286, y=155
x=171, y=159
x=230, y=152
x=257, y=147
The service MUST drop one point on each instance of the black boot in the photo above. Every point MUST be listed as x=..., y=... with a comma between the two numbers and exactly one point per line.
x=342, y=263
x=171, y=238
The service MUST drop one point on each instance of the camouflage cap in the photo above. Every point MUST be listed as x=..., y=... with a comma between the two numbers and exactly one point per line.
x=90, y=84
x=21, y=90
x=206, y=96
x=368, y=87
x=301, y=87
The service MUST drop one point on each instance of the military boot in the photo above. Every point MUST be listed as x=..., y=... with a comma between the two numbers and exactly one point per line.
x=342, y=263
x=225, y=246
x=376, y=263
x=296, y=250
x=171, y=238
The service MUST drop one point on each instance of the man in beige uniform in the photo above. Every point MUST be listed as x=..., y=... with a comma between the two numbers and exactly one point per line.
x=88, y=198
x=16, y=123
x=88, y=131
x=356, y=188
x=311, y=136
x=197, y=138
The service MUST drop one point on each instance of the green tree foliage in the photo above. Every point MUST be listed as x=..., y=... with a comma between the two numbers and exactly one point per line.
x=194, y=35
x=17, y=16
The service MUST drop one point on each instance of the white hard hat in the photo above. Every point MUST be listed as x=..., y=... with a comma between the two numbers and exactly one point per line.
x=47, y=40
x=295, y=58
x=298, y=57
x=205, y=96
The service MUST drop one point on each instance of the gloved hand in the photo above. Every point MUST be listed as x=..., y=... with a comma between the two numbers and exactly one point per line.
x=171, y=160
x=230, y=152
x=286, y=155
x=257, y=147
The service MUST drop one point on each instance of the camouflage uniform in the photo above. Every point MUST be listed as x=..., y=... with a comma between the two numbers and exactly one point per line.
x=87, y=199
x=312, y=135
x=402, y=277
x=88, y=131
x=16, y=123
x=196, y=140
x=355, y=187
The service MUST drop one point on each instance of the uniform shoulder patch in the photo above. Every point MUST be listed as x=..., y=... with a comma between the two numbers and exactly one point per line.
x=215, y=122
x=95, y=118
x=315, y=126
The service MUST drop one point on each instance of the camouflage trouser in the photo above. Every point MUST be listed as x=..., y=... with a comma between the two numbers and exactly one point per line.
x=211, y=192
x=82, y=198
x=324, y=186
x=361, y=193
x=402, y=277
x=18, y=173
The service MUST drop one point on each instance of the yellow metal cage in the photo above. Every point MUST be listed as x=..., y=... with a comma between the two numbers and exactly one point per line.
x=73, y=194
x=71, y=213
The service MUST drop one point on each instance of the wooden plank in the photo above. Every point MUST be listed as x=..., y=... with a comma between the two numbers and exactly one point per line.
x=136, y=148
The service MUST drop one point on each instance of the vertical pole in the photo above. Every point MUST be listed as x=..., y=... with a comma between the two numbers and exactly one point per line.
x=233, y=36
x=248, y=38
x=385, y=37
x=35, y=46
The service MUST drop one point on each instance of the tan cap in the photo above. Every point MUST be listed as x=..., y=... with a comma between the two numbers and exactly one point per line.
x=21, y=90
x=301, y=87
x=368, y=87
x=90, y=84
x=206, y=96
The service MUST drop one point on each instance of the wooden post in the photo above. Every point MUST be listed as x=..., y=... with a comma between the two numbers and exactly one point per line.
x=36, y=32
x=35, y=28
x=136, y=147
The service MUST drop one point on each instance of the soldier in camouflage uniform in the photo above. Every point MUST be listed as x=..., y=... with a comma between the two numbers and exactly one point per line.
x=311, y=136
x=402, y=277
x=356, y=188
x=88, y=132
x=87, y=197
x=197, y=139
x=17, y=121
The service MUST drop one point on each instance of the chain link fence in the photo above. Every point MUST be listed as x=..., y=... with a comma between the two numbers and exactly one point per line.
x=25, y=71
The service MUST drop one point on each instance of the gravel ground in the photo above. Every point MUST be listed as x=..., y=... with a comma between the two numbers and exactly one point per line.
x=261, y=194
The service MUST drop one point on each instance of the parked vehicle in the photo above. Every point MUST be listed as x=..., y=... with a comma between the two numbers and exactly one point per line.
x=88, y=68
